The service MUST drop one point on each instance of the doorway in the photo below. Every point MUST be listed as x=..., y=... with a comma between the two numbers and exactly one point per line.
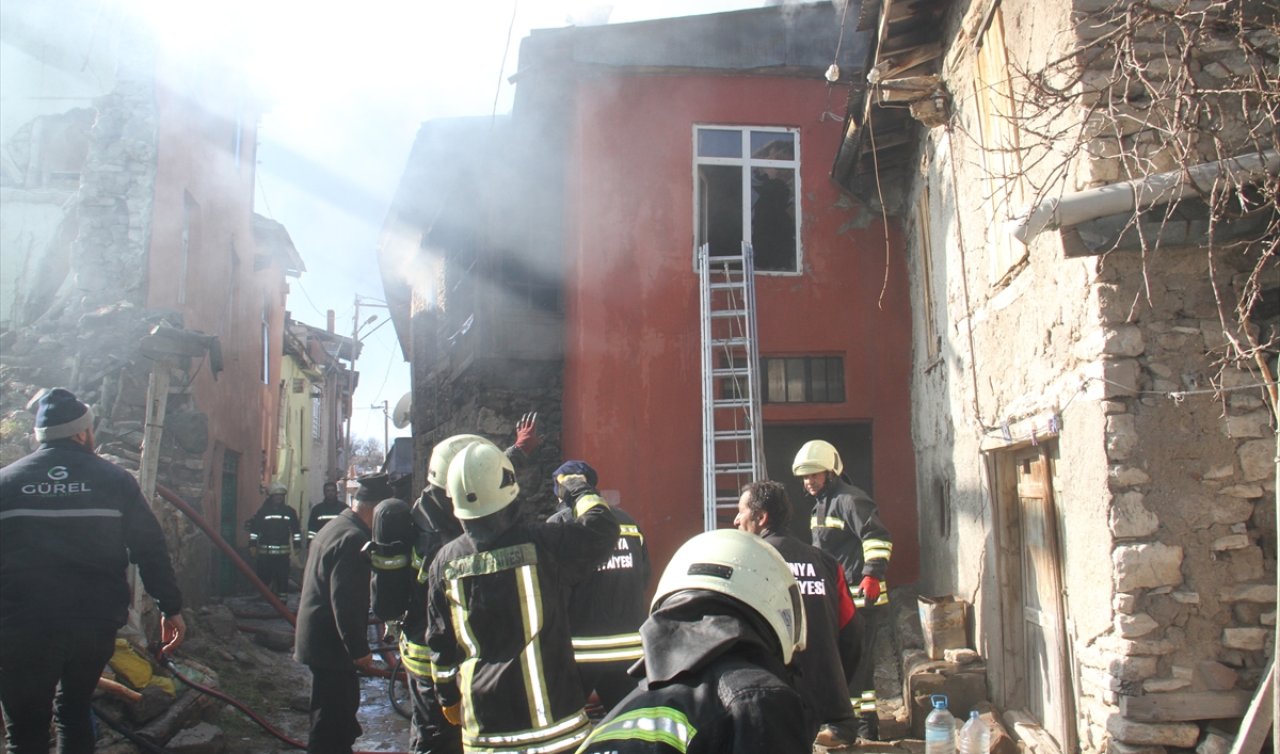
x=781, y=441
x=1035, y=675
x=227, y=519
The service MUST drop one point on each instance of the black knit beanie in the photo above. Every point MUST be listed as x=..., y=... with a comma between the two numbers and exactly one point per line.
x=59, y=414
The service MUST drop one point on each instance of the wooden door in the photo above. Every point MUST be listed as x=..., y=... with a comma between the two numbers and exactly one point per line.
x=1037, y=652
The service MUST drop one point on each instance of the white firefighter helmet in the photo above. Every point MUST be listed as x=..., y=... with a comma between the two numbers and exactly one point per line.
x=746, y=568
x=481, y=481
x=277, y=488
x=815, y=456
x=442, y=455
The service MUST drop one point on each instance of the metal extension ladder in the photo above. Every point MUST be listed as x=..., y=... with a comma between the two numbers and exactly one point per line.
x=732, y=428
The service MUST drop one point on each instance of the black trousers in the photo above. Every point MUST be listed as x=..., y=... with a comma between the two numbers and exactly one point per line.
x=431, y=732
x=273, y=570
x=335, y=699
x=858, y=643
x=51, y=674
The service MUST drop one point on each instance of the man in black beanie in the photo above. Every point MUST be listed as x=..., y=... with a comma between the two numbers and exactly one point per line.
x=333, y=619
x=71, y=523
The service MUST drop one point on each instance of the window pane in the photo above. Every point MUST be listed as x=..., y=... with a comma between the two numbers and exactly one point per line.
x=773, y=218
x=777, y=379
x=773, y=145
x=818, y=381
x=720, y=208
x=715, y=142
x=795, y=380
x=835, y=380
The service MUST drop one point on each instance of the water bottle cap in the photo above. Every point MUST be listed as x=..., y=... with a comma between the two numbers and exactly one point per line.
x=973, y=714
x=939, y=701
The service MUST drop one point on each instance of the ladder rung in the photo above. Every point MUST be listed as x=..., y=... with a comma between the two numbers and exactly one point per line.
x=726, y=286
x=735, y=468
x=730, y=342
x=731, y=403
x=725, y=313
x=730, y=372
x=737, y=434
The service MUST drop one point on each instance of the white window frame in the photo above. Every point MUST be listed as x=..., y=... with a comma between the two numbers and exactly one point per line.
x=746, y=162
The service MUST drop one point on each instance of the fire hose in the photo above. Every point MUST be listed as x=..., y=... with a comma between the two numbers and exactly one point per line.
x=234, y=557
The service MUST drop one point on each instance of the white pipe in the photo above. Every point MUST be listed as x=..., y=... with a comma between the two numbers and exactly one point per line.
x=1141, y=194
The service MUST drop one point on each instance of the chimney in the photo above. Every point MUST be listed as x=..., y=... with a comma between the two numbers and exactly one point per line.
x=329, y=320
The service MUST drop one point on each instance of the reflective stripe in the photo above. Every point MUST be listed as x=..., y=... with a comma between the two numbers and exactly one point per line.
x=830, y=522
x=311, y=535
x=630, y=530
x=873, y=549
x=416, y=658
x=253, y=537
x=586, y=503
x=607, y=648
x=62, y=513
x=275, y=517
x=536, y=736
x=665, y=725
x=274, y=549
x=531, y=614
x=417, y=565
x=388, y=563
x=855, y=594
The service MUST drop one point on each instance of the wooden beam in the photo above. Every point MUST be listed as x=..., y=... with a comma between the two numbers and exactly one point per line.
x=1180, y=706
x=1258, y=721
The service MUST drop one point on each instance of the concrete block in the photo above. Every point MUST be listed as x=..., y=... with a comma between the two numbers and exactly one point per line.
x=1214, y=676
x=1146, y=565
x=1161, y=685
x=1183, y=735
x=1230, y=542
x=204, y=738
x=1265, y=593
x=1135, y=626
x=1245, y=639
x=1257, y=459
x=1123, y=340
x=1130, y=519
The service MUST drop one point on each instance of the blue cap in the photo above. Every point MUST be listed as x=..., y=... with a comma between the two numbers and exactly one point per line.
x=569, y=468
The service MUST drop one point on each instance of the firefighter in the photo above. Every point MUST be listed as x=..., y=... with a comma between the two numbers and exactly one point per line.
x=324, y=511
x=765, y=510
x=273, y=536
x=404, y=554
x=333, y=620
x=846, y=524
x=498, y=628
x=70, y=524
x=725, y=621
x=606, y=604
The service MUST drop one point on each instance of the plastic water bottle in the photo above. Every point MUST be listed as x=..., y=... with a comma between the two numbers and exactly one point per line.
x=939, y=728
x=975, y=736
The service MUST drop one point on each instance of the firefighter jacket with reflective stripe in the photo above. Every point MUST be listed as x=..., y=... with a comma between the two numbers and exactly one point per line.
x=436, y=527
x=499, y=635
x=322, y=513
x=333, y=608
x=820, y=677
x=607, y=604
x=846, y=524
x=274, y=529
x=713, y=685
x=70, y=524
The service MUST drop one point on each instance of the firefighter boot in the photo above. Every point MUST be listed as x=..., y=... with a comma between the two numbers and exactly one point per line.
x=869, y=726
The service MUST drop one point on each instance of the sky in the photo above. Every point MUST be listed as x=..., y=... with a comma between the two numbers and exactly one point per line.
x=345, y=93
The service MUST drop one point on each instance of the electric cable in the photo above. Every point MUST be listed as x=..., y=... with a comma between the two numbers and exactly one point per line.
x=397, y=671
x=167, y=662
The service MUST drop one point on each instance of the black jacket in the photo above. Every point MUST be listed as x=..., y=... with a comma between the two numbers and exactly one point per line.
x=274, y=529
x=846, y=524
x=322, y=513
x=499, y=634
x=333, y=609
x=436, y=527
x=819, y=675
x=70, y=523
x=607, y=604
x=714, y=684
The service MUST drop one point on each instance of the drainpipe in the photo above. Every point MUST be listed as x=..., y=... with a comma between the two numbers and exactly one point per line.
x=1141, y=194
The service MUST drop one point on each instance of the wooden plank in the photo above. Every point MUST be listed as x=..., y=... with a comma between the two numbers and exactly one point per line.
x=1259, y=719
x=1180, y=706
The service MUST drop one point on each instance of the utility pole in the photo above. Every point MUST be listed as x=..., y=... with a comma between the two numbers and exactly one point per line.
x=386, y=433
